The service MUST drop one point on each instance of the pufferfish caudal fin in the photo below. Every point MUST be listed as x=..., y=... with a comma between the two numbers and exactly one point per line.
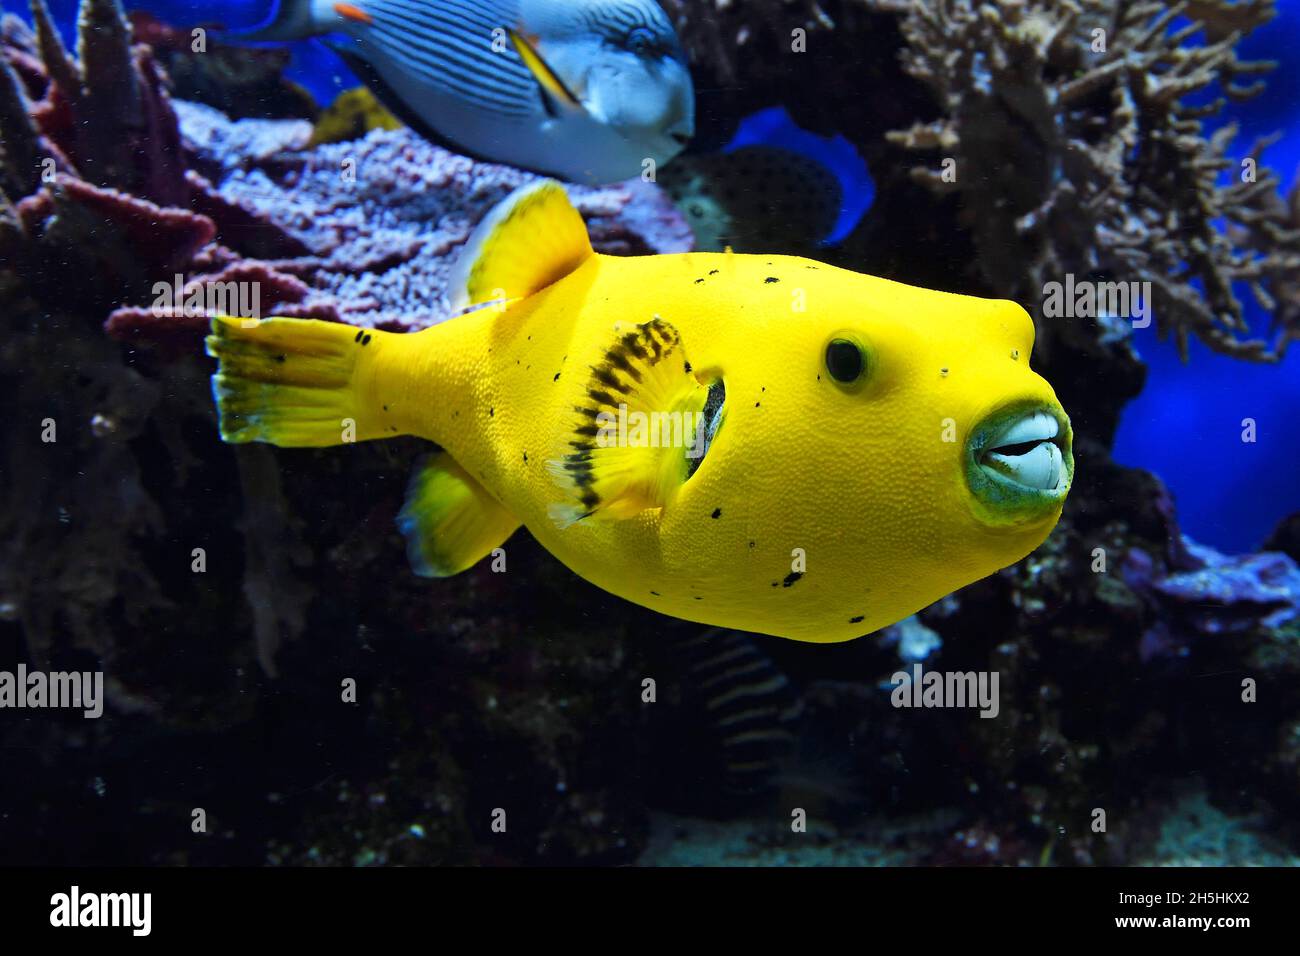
x=450, y=522
x=639, y=431
x=531, y=238
x=291, y=382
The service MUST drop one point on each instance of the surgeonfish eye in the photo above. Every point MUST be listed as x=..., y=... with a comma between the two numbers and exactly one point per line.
x=641, y=41
x=846, y=361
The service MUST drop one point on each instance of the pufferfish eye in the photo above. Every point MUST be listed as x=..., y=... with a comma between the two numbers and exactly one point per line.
x=640, y=41
x=846, y=361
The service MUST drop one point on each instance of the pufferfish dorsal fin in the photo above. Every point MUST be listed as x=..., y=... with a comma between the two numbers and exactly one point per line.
x=449, y=520
x=531, y=238
x=636, y=430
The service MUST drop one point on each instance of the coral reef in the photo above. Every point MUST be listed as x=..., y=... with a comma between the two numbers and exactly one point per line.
x=364, y=231
x=242, y=82
x=1103, y=105
x=793, y=53
x=135, y=542
x=381, y=218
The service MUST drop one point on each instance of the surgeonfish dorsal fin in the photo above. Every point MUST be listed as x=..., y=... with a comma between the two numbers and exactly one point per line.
x=532, y=238
x=637, y=428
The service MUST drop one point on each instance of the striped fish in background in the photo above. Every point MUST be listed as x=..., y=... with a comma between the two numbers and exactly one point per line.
x=751, y=710
x=586, y=90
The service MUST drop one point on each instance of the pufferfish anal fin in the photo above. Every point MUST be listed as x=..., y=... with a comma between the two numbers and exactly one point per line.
x=532, y=238
x=636, y=429
x=450, y=522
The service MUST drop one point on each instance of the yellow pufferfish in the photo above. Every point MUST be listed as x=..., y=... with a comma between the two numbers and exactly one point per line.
x=764, y=443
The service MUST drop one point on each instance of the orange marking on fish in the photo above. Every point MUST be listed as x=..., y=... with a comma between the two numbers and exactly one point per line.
x=348, y=12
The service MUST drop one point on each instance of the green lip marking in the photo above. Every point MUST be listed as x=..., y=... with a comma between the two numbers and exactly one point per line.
x=1019, y=463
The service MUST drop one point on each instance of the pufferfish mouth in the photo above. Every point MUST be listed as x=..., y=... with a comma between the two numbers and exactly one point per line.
x=1026, y=452
x=1019, y=462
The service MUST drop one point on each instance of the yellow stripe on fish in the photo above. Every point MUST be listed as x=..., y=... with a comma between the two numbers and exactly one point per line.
x=764, y=443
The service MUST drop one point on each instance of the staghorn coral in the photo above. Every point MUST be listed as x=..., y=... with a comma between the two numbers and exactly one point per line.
x=1114, y=176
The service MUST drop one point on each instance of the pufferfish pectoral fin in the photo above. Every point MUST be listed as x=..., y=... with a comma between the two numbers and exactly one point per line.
x=637, y=429
x=532, y=238
x=449, y=520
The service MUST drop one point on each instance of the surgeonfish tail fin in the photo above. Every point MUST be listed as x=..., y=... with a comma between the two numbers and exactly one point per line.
x=293, y=382
x=294, y=20
x=531, y=238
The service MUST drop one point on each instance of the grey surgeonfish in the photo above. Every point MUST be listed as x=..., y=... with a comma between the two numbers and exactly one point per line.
x=586, y=90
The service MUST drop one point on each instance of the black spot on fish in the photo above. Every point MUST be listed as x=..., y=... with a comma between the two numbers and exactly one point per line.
x=770, y=279
x=492, y=413
x=792, y=577
x=525, y=458
x=557, y=377
x=756, y=404
x=656, y=594
x=717, y=513
x=686, y=367
x=713, y=272
x=751, y=544
x=698, y=281
x=857, y=620
x=385, y=408
x=280, y=358
x=697, y=597
x=365, y=339
x=360, y=332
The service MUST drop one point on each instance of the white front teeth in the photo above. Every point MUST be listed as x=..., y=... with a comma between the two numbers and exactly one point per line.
x=1025, y=452
x=1036, y=427
x=1040, y=467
